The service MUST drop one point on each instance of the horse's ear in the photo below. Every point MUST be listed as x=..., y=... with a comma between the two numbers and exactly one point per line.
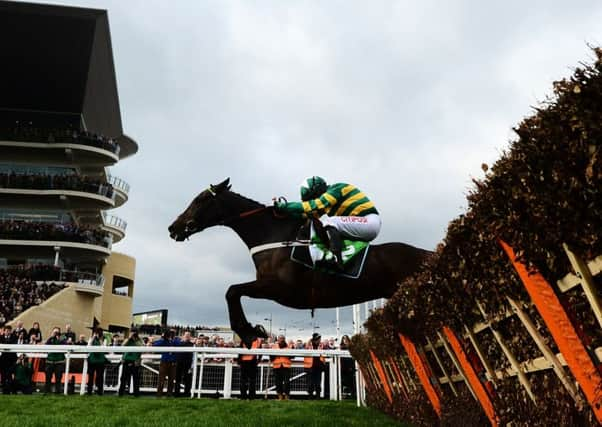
x=224, y=185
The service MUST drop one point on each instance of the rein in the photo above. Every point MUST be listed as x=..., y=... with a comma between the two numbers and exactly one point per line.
x=243, y=215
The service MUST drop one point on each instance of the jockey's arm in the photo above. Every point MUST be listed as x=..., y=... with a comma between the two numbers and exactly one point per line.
x=315, y=206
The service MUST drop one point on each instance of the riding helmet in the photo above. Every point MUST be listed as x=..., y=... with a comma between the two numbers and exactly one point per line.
x=313, y=187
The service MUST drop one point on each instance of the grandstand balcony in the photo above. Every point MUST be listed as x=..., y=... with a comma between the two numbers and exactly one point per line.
x=102, y=198
x=72, y=152
x=121, y=189
x=91, y=285
x=44, y=249
x=114, y=225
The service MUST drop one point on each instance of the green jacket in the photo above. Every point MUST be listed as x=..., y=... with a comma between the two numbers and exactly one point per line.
x=96, y=358
x=23, y=374
x=338, y=200
x=132, y=357
x=55, y=357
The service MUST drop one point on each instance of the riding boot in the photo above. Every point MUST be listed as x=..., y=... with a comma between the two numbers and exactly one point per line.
x=336, y=246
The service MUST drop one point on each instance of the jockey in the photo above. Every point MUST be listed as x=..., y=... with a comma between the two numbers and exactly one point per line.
x=342, y=208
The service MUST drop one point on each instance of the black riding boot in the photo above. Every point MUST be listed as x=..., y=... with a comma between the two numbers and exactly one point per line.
x=336, y=245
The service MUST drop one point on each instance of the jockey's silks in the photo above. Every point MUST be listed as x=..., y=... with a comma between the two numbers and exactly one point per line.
x=339, y=200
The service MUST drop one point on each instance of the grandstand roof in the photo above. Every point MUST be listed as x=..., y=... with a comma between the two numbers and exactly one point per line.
x=59, y=59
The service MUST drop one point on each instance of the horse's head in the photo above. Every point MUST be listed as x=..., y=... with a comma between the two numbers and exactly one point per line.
x=204, y=211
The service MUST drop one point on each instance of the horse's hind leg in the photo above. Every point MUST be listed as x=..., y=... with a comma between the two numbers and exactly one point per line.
x=238, y=320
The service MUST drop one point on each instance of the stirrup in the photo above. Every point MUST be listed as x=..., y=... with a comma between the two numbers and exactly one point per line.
x=333, y=260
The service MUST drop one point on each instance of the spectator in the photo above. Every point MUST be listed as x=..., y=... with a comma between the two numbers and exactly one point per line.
x=7, y=359
x=347, y=369
x=70, y=336
x=81, y=340
x=313, y=367
x=116, y=340
x=248, y=371
x=28, y=132
x=68, y=180
x=18, y=292
x=22, y=375
x=22, y=337
x=21, y=333
x=35, y=334
x=167, y=366
x=55, y=362
x=96, y=364
x=131, y=365
x=184, y=366
x=31, y=230
x=282, y=369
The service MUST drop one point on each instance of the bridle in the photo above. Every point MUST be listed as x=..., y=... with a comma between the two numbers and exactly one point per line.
x=192, y=225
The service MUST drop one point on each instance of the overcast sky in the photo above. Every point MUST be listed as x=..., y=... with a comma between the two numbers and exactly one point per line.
x=404, y=99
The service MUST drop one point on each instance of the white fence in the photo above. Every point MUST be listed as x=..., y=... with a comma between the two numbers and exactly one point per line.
x=214, y=370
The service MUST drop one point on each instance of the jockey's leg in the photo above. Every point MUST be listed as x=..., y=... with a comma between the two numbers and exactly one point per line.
x=364, y=228
x=335, y=242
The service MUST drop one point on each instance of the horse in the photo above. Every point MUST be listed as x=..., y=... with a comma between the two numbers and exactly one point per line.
x=268, y=236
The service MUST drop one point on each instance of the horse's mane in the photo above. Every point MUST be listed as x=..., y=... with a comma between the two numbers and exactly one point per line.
x=246, y=199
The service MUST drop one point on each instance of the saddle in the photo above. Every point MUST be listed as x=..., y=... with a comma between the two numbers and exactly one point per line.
x=317, y=256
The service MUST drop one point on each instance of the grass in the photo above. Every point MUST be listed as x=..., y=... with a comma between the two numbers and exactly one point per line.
x=109, y=411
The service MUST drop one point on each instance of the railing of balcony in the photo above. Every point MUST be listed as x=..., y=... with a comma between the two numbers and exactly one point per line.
x=47, y=273
x=118, y=183
x=114, y=221
x=82, y=277
x=66, y=181
x=30, y=230
x=21, y=133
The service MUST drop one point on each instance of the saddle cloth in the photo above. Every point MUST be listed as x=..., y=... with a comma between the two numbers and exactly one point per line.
x=317, y=256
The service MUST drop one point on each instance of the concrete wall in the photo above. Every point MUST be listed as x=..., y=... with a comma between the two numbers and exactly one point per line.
x=117, y=309
x=66, y=306
x=79, y=307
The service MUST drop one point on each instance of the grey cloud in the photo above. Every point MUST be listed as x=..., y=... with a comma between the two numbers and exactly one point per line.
x=404, y=99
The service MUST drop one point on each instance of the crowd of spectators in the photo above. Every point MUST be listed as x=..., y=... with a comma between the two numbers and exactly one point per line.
x=34, y=272
x=30, y=230
x=17, y=294
x=179, y=329
x=69, y=181
x=49, y=273
x=175, y=369
x=28, y=132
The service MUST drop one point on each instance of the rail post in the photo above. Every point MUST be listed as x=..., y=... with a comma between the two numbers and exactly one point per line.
x=67, y=365
x=332, y=379
x=195, y=357
x=84, y=382
x=200, y=391
x=227, y=378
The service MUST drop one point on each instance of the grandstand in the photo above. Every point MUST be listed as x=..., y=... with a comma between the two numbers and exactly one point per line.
x=60, y=132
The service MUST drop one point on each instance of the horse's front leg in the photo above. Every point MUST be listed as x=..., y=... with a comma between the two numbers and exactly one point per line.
x=238, y=320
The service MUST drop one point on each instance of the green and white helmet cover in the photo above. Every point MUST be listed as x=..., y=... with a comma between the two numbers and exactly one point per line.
x=312, y=188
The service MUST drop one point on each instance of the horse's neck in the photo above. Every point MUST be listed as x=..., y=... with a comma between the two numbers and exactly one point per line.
x=263, y=227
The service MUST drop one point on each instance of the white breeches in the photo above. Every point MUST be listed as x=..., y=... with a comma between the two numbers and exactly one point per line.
x=364, y=228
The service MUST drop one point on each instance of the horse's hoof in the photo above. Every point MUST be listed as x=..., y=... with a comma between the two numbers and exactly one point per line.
x=260, y=331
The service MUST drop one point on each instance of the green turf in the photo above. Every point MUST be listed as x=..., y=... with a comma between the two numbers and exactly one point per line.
x=105, y=411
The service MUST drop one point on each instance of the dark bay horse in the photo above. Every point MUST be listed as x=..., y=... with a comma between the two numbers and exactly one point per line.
x=277, y=277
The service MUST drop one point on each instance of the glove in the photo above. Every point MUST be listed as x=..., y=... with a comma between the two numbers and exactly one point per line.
x=279, y=205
